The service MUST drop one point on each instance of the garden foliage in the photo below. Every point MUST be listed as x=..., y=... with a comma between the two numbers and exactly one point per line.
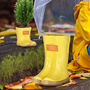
x=21, y=65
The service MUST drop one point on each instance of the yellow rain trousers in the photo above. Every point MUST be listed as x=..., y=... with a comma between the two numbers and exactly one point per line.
x=82, y=38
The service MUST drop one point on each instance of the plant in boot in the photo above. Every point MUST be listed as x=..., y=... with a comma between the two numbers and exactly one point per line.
x=24, y=14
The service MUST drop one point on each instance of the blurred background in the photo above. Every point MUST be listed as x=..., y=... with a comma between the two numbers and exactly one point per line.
x=7, y=11
x=59, y=17
x=7, y=17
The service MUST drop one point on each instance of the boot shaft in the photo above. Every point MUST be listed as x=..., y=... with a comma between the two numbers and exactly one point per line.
x=57, y=48
x=23, y=33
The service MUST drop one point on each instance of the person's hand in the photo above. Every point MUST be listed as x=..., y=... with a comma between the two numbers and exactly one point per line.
x=88, y=49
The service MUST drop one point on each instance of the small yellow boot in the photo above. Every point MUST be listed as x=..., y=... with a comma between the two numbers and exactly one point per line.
x=23, y=37
x=56, y=59
x=58, y=50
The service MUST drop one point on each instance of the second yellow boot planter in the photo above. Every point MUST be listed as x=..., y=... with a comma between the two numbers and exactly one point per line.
x=56, y=59
x=23, y=37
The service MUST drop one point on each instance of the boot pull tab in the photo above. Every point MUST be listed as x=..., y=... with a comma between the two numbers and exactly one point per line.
x=25, y=32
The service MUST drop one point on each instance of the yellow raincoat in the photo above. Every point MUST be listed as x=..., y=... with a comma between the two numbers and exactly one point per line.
x=82, y=38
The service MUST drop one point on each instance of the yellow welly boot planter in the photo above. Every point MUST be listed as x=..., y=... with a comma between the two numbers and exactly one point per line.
x=23, y=37
x=56, y=60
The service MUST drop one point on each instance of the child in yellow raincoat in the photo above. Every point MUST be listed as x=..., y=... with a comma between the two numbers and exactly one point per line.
x=81, y=43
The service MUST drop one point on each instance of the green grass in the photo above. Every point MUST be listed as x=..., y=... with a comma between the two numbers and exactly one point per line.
x=22, y=65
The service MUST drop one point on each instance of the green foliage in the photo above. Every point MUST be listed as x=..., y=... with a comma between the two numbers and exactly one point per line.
x=1, y=87
x=24, y=11
x=29, y=62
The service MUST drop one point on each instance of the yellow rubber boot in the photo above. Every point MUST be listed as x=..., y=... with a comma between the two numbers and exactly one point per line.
x=57, y=47
x=23, y=37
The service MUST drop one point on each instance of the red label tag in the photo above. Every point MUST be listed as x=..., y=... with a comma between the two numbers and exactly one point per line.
x=25, y=32
x=52, y=47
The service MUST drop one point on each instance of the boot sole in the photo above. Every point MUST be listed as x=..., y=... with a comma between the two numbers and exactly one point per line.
x=36, y=81
x=53, y=83
x=26, y=45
